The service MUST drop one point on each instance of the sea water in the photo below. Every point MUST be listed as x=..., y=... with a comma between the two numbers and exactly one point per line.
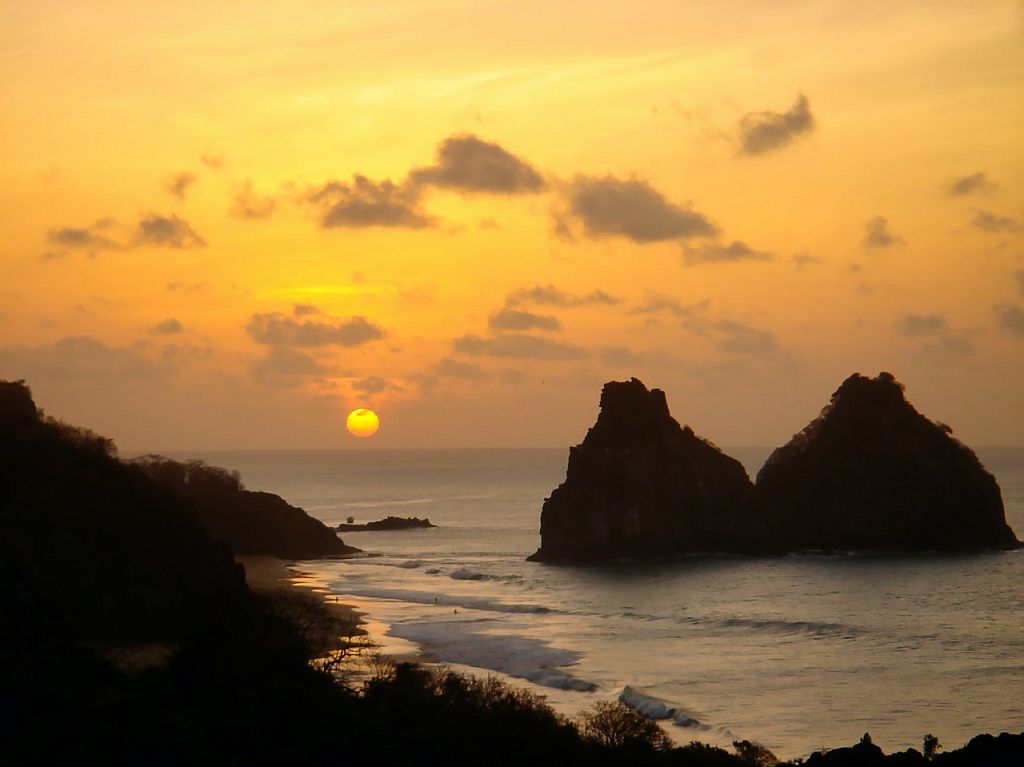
x=798, y=652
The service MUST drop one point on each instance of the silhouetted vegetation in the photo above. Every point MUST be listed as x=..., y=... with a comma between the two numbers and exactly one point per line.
x=388, y=523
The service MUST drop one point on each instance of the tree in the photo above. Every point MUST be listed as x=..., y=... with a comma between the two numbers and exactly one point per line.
x=614, y=725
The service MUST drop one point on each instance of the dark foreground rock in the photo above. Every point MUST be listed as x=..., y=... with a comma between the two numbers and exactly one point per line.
x=252, y=522
x=873, y=473
x=641, y=486
x=388, y=523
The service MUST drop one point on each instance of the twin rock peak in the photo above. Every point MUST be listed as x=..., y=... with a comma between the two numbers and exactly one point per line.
x=870, y=473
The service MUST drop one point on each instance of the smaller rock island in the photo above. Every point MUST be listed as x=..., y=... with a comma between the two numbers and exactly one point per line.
x=388, y=523
x=641, y=486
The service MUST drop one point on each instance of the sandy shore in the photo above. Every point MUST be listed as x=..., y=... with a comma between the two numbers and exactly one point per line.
x=264, y=573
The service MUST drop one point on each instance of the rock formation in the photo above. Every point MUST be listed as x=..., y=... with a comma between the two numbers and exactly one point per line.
x=388, y=523
x=872, y=473
x=639, y=485
x=252, y=522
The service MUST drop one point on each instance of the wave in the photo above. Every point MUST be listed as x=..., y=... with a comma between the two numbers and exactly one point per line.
x=817, y=629
x=657, y=708
x=467, y=643
x=343, y=588
x=462, y=574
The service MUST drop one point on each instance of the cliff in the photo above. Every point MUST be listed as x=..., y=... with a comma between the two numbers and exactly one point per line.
x=252, y=522
x=872, y=473
x=639, y=486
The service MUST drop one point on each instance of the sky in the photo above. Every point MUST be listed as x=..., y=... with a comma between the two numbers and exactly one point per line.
x=226, y=225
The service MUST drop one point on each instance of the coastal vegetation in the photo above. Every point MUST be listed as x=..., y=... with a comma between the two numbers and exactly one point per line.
x=128, y=635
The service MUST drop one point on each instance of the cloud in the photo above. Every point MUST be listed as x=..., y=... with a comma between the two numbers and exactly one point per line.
x=167, y=327
x=212, y=160
x=549, y=295
x=366, y=203
x=507, y=319
x=468, y=164
x=187, y=287
x=1020, y=281
x=304, y=310
x=762, y=132
x=962, y=186
x=166, y=231
x=720, y=253
x=370, y=385
x=79, y=359
x=800, y=260
x=633, y=209
x=249, y=205
x=657, y=302
x=519, y=346
x=277, y=329
x=450, y=368
x=284, y=367
x=987, y=221
x=92, y=237
x=741, y=338
x=1010, y=318
x=179, y=183
x=877, y=234
x=922, y=324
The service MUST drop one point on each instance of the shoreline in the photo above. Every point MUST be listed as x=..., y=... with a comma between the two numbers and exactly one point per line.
x=264, y=572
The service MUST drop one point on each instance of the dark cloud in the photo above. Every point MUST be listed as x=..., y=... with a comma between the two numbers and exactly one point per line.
x=79, y=359
x=249, y=205
x=922, y=324
x=369, y=203
x=762, y=132
x=657, y=303
x=800, y=260
x=987, y=221
x=188, y=287
x=517, y=346
x=167, y=327
x=179, y=183
x=370, y=385
x=166, y=231
x=1020, y=281
x=277, y=329
x=468, y=164
x=94, y=237
x=284, y=367
x=967, y=185
x=721, y=253
x=304, y=310
x=212, y=160
x=633, y=209
x=506, y=319
x=877, y=234
x=741, y=338
x=1010, y=318
x=549, y=295
x=450, y=368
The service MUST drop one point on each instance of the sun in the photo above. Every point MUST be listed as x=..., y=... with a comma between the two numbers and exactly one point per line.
x=362, y=422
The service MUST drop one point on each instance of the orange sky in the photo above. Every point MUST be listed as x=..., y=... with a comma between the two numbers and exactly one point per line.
x=229, y=224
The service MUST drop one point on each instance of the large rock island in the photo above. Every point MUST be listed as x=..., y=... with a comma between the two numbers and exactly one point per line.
x=873, y=473
x=640, y=486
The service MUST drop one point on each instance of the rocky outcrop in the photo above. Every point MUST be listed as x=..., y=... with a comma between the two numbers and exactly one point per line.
x=641, y=486
x=252, y=522
x=872, y=473
x=388, y=523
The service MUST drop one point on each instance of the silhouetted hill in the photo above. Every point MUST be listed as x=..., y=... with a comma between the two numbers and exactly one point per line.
x=252, y=522
x=639, y=485
x=388, y=523
x=112, y=552
x=873, y=473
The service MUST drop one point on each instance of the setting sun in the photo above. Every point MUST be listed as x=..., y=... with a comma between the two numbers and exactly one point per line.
x=362, y=423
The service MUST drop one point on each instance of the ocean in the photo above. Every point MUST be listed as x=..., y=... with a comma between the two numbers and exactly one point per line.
x=797, y=652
